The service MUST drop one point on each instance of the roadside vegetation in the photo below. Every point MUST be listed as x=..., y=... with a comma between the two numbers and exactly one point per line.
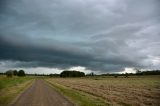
x=11, y=87
x=121, y=91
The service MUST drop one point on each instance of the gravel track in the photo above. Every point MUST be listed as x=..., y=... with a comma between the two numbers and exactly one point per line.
x=41, y=94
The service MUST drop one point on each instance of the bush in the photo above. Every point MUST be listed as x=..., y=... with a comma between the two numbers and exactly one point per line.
x=21, y=73
x=9, y=73
x=72, y=74
x=15, y=72
x=115, y=76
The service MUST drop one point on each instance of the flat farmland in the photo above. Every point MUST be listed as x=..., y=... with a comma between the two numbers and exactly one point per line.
x=132, y=91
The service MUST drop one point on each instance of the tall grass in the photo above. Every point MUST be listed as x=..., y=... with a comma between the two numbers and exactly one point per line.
x=8, y=82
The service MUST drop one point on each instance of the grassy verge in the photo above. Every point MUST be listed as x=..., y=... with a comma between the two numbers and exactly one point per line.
x=10, y=88
x=77, y=97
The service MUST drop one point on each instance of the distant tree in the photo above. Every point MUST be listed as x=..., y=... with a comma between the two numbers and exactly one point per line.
x=138, y=71
x=54, y=75
x=2, y=73
x=72, y=74
x=21, y=73
x=152, y=72
x=9, y=73
x=15, y=72
x=92, y=73
x=126, y=75
x=116, y=76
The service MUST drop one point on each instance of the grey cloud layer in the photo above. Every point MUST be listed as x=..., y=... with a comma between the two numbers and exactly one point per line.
x=106, y=35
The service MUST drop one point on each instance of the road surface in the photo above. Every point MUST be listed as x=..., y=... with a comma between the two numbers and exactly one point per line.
x=41, y=94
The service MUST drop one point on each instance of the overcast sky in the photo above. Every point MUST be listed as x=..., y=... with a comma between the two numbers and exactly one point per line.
x=48, y=36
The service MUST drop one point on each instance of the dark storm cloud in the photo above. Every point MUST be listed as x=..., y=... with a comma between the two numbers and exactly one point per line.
x=34, y=56
x=106, y=35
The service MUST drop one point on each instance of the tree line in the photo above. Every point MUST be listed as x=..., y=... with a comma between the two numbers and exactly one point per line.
x=138, y=73
x=11, y=73
x=153, y=72
x=72, y=74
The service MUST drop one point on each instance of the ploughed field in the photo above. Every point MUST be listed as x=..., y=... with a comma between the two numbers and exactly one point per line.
x=132, y=91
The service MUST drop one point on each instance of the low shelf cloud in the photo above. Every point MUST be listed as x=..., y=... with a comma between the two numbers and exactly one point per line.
x=102, y=36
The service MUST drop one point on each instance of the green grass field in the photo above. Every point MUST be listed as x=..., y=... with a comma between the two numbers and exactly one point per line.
x=100, y=91
x=10, y=88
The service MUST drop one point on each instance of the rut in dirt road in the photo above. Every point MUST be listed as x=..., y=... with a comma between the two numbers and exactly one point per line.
x=40, y=94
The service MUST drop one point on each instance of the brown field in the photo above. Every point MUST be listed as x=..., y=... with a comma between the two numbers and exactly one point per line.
x=132, y=91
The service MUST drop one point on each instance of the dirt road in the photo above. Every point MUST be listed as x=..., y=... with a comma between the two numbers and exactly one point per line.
x=41, y=94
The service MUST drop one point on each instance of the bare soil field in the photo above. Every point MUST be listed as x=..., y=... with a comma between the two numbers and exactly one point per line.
x=41, y=94
x=132, y=91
